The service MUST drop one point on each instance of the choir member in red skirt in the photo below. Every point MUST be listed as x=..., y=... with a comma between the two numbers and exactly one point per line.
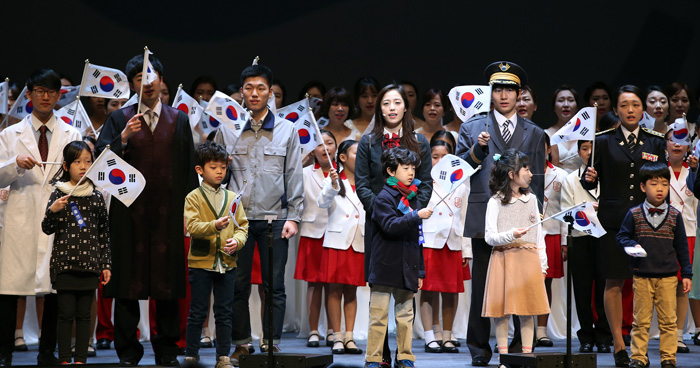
x=343, y=247
x=311, y=230
x=555, y=237
x=446, y=254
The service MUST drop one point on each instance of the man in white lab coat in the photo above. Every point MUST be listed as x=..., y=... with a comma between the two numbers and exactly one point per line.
x=28, y=150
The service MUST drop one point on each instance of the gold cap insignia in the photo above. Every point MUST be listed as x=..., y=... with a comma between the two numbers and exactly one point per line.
x=504, y=67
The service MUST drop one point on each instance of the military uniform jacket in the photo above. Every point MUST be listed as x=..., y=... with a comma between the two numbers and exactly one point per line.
x=618, y=172
x=527, y=138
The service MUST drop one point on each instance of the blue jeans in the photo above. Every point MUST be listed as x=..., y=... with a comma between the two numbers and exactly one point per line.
x=201, y=283
x=258, y=233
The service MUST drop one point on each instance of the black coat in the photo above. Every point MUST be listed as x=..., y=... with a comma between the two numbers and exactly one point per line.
x=527, y=138
x=618, y=172
x=396, y=258
x=148, y=249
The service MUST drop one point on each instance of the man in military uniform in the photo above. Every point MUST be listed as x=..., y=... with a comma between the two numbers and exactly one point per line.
x=479, y=139
x=619, y=153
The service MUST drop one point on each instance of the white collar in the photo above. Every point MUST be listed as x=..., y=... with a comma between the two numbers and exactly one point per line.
x=627, y=133
x=36, y=123
x=156, y=109
x=500, y=119
x=400, y=133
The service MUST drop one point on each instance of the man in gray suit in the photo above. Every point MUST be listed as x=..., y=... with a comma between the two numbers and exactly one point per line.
x=479, y=139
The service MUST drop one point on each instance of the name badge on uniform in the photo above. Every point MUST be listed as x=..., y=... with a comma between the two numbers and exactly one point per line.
x=649, y=157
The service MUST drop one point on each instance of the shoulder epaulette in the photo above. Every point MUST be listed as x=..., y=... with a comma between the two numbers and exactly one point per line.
x=605, y=131
x=653, y=132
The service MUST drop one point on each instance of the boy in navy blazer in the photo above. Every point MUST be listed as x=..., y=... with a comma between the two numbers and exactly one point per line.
x=396, y=263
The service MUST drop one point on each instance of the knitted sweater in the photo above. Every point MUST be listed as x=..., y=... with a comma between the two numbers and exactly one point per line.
x=666, y=245
x=207, y=242
x=75, y=247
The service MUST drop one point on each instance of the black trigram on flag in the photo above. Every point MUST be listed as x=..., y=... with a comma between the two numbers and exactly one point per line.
x=179, y=98
x=78, y=123
x=584, y=131
x=237, y=126
x=479, y=91
x=111, y=162
x=132, y=178
x=462, y=112
x=93, y=89
x=454, y=163
x=585, y=115
x=71, y=112
x=117, y=77
x=219, y=110
x=301, y=108
x=457, y=95
x=204, y=125
x=443, y=175
x=117, y=93
x=20, y=109
x=96, y=73
x=478, y=105
x=123, y=190
x=101, y=175
x=307, y=124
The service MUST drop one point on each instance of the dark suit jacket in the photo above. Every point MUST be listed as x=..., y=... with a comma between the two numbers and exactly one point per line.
x=396, y=258
x=148, y=256
x=527, y=138
x=618, y=172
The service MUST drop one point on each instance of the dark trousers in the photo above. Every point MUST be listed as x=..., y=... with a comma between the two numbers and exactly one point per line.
x=202, y=282
x=126, y=320
x=258, y=233
x=478, y=327
x=74, y=305
x=585, y=270
x=8, y=311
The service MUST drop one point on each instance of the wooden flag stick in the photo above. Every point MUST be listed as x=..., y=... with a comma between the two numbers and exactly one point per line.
x=143, y=75
x=82, y=80
x=595, y=104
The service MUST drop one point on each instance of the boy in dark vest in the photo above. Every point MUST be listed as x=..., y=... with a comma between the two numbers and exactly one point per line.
x=654, y=235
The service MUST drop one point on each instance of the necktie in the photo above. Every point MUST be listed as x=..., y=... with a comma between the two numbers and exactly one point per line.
x=151, y=119
x=43, y=143
x=506, y=131
x=655, y=211
x=631, y=141
x=391, y=141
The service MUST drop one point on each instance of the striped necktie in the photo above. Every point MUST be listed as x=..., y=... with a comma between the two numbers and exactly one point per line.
x=506, y=131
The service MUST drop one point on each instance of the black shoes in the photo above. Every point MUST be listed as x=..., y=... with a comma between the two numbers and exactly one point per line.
x=6, y=360
x=668, y=364
x=103, y=344
x=586, y=347
x=621, y=358
x=544, y=342
x=603, y=348
x=480, y=361
x=682, y=348
x=430, y=349
x=46, y=358
x=449, y=347
x=638, y=364
x=167, y=361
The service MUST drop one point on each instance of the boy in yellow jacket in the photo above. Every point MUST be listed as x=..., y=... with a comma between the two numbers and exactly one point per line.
x=212, y=257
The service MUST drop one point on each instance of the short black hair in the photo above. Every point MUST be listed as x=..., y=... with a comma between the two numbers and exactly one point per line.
x=135, y=66
x=654, y=170
x=580, y=143
x=257, y=71
x=202, y=79
x=208, y=152
x=46, y=78
x=392, y=158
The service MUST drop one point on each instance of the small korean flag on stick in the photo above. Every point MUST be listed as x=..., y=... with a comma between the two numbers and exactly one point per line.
x=22, y=106
x=293, y=112
x=584, y=219
x=100, y=81
x=580, y=128
x=117, y=177
x=468, y=101
x=680, y=134
x=188, y=105
x=223, y=110
x=74, y=114
x=450, y=172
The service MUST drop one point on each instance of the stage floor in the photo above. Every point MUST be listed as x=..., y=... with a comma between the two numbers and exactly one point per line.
x=291, y=344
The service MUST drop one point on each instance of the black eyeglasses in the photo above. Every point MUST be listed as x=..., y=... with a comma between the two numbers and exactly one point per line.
x=42, y=92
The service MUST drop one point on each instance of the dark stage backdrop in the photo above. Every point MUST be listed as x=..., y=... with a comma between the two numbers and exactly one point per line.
x=432, y=43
